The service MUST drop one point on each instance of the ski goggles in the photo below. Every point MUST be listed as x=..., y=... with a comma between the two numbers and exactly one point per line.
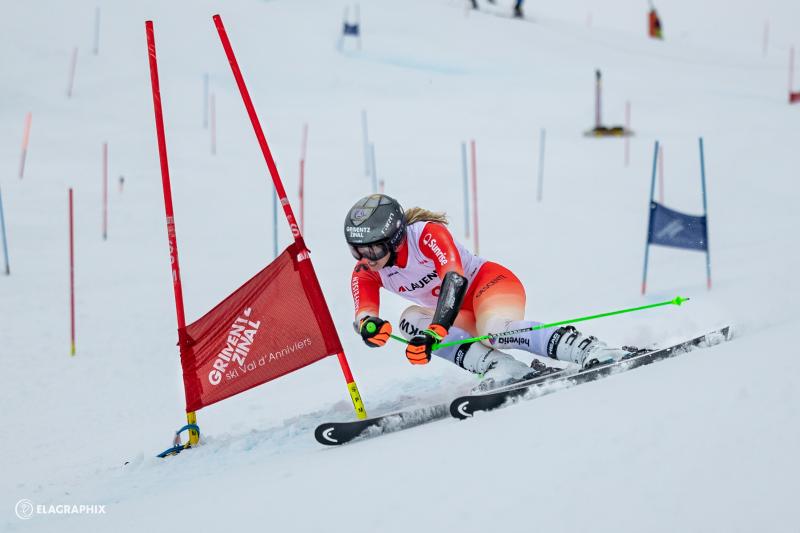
x=373, y=252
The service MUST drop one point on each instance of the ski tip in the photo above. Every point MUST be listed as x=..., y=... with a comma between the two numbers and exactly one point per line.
x=679, y=300
x=461, y=409
x=325, y=435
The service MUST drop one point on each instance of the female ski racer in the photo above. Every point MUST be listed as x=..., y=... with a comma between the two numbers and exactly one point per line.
x=458, y=295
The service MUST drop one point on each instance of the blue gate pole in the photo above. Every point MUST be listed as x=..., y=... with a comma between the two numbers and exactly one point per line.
x=344, y=28
x=466, y=188
x=649, y=220
x=358, y=26
x=705, y=213
x=3, y=229
x=365, y=136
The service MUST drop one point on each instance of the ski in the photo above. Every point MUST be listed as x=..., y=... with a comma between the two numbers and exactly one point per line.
x=465, y=406
x=337, y=433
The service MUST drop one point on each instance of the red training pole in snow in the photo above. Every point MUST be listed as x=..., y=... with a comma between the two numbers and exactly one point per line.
x=793, y=96
x=194, y=436
x=71, y=275
x=72, y=71
x=25, y=137
x=303, y=146
x=105, y=191
x=287, y=208
x=474, y=193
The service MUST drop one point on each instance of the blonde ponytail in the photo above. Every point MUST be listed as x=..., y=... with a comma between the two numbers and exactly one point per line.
x=417, y=214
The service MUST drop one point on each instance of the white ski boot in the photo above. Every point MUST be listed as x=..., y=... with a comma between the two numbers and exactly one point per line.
x=497, y=368
x=569, y=344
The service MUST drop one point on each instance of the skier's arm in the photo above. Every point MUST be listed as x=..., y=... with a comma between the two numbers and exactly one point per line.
x=365, y=286
x=437, y=244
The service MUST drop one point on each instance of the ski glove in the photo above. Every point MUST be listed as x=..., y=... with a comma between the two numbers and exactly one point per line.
x=374, y=331
x=419, y=347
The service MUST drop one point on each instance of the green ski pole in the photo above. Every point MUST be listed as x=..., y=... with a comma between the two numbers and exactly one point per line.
x=675, y=301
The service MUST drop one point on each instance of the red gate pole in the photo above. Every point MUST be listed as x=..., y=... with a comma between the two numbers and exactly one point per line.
x=355, y=396
x=191, y=418
x=71, y=276
x=25, y=138
x=791, y=75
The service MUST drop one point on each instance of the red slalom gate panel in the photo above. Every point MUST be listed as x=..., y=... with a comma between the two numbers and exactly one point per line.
x=264, y=330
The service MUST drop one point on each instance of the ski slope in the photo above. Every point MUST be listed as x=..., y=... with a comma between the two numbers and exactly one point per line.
x=702, y=442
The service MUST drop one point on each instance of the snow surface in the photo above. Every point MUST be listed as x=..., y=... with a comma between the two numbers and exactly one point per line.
x=703, y=442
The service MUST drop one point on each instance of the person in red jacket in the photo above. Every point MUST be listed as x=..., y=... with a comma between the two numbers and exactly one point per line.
x=457, y=295
x=654, y=24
